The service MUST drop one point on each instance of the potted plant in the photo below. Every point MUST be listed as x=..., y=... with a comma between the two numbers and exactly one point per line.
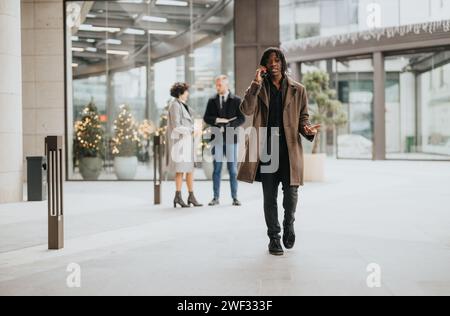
x=125, y=144
x=88, y=143
x=326, y=110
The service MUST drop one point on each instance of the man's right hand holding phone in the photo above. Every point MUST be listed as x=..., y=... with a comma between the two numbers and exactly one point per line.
x=260, y=72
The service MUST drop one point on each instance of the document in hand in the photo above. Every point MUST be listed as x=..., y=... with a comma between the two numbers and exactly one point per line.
x=225, y=121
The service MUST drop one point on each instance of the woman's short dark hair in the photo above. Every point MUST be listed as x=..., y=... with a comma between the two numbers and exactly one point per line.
x=178, y=89
x=279, y=53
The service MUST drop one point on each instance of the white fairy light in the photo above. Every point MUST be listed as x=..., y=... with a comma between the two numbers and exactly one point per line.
x=374, y=34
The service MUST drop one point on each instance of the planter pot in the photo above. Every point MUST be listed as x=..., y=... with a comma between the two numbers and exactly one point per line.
x=125, y=167
x=314, y=167
x=90, y=168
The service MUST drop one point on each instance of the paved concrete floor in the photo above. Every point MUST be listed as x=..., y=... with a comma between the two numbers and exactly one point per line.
x=394, y=214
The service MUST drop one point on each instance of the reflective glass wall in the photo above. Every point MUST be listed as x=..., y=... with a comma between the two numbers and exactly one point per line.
x=352, y=80
x=122, y=57
x=355, y=91
x=308, y=18
x=418, y=105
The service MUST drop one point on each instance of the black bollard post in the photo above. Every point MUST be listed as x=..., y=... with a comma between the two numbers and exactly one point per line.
x=157, y=167
x=53, y=149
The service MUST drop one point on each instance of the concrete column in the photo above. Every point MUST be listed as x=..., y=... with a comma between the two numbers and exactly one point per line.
x=256, y=27
x=11, y=166
x=227, y=67
x=189, y=64
x=379, y=111
x=42, y=73
x=296, y=71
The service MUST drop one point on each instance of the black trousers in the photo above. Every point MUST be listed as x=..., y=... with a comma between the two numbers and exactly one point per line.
x=271, y=183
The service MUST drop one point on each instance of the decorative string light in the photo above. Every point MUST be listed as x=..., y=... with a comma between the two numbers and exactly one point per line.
x=88, y=133
x=126, y=140
x=374, y=34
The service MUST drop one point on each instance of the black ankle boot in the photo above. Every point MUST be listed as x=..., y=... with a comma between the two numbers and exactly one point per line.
x=179, y=201
x=289, y=237
x=275, y=248
x=193, y=201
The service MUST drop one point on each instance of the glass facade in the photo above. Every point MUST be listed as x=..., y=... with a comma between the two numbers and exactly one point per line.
x=355, y=91
x=123, y=57
x=415, y=80
x=309, y=18
x=418, y=106
x=353, y=81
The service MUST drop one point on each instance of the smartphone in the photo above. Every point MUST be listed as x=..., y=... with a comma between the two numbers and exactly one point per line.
x=264, y=75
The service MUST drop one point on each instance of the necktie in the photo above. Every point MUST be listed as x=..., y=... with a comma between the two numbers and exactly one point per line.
x=222, y=103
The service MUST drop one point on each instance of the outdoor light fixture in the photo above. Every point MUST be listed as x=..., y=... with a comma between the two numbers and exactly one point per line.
x=162, y=32
x=77, y=49
x=172, y=3
x=117, y=52
x=113, y=41
x=131, y=31
x=91, y=28
x=153, y=19
x=55, y=184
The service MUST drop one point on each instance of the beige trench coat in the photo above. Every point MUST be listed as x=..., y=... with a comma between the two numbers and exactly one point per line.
x=179, y=139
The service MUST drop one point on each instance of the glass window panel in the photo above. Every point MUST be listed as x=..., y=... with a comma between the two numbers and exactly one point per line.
x=418, y=113
x=355, y=91
x=301, y=19
x=327, y=137
x=130, y=53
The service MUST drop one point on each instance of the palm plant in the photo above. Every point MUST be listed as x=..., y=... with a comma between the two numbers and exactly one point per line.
x=324, y=107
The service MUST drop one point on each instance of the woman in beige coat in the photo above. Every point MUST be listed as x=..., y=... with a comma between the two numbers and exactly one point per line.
x=180, y=130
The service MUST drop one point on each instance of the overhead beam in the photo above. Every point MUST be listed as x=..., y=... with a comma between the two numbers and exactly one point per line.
x=137, y=8
x=162, y=46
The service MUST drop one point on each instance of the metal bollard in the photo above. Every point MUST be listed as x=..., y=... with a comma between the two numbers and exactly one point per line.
x=53, y=149
x=157, y=167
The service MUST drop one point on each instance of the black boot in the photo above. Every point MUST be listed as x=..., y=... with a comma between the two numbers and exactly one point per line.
x=193, y=201
x=179, y=200
x=290, y=205
x=275, y=247
x=289, y=237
